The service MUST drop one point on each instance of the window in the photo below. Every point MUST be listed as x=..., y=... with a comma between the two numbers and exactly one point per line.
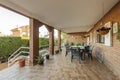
x=100, y=38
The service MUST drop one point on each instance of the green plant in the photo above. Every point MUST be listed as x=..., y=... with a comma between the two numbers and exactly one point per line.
x=77, y=44
x=8, y=45
x=82, y=44
x=47, y=56
x=40, y=59
x=43, y=41
x=71, y=44
x=118, y=33
x=63, y=38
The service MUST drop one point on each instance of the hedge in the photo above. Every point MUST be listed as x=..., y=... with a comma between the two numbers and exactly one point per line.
x=8, y=45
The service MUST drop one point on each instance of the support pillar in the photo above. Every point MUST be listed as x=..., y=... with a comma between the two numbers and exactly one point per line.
x=59, y=39
x=51, y=39
x=34, y=40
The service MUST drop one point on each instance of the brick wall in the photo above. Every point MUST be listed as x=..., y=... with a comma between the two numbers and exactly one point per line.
x=76, y=37
x=111, y=53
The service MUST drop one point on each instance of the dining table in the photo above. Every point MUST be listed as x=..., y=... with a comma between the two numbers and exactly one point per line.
x=82, y=49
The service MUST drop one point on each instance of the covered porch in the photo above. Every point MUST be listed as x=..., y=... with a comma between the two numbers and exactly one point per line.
x=60, y=67
x=81, y=21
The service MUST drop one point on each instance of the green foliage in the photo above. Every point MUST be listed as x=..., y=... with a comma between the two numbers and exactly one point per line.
x=43, y=42
x=8, y=45
x=82, y=44
x=71, y=44
x=77, y=44
x=118, y=33
x=40, y=59
x=63, y=37
x=56, y=42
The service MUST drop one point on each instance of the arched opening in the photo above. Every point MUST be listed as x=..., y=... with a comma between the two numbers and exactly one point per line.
x=43, y=39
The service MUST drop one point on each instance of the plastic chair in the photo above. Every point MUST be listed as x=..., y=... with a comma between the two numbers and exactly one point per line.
x=88, y=50
x=75, y=52
x=67, y=50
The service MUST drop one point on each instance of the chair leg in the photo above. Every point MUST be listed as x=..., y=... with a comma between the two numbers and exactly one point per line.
x=91, y=56
x=66, y=53
x=83, y=55
x=71, y=57
x=80, y=58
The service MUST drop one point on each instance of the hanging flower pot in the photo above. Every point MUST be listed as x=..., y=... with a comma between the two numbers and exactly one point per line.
x=103, y=30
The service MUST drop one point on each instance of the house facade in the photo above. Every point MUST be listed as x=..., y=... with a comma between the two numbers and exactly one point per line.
x=22, y=31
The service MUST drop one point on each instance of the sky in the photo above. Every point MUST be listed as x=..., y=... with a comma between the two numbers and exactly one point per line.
x=10, y=20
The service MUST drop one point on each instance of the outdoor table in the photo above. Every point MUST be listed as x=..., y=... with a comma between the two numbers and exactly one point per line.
x=82, y=48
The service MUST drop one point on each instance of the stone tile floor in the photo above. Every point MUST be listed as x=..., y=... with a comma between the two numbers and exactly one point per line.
x=60, y=67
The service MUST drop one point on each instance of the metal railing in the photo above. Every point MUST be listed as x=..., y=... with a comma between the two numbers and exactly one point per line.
x=43, y=47
x=16, y=54
x=14, y=57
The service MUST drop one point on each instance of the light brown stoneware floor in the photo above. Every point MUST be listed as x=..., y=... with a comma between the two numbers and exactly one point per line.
x=60, y=67
x=3, y=65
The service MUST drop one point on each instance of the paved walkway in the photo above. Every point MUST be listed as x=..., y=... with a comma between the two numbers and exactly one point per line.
x=60, y=67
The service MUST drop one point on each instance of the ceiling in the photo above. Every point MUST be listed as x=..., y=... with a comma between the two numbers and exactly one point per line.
x=66, y=15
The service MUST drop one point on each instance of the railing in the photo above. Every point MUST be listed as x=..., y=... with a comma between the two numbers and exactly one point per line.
x=16, y=54
x=43, y=47
x=14, y=57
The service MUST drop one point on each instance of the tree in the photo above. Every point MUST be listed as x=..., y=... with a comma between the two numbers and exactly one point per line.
x=63, y=36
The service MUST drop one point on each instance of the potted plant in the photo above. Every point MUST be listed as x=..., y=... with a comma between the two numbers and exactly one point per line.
x=21, y=61
x=47, y=56
x=60, y=49
x=40, y=59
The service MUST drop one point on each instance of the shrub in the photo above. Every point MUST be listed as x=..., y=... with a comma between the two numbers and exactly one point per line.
x=8, y=45
x=43, y=43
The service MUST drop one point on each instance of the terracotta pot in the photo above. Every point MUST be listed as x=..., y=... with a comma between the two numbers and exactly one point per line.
x=22, y=62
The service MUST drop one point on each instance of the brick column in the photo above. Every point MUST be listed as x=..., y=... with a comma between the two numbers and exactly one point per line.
x=34, y=40
x=51, y=39
x=59, y=39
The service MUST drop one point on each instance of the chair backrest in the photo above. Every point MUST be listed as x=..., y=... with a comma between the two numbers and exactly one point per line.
x=91, y=48
x=67, y=48
x=87, y=48
x=74, y=51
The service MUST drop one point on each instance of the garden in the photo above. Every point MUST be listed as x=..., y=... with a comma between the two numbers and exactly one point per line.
x=8, y=45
